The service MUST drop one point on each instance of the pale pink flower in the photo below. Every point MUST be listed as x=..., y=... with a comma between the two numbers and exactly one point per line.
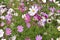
x=38, y=37
x=52, y=9
x=8, y=22
x=8, y=17
x=20, y=28
x=8, y=31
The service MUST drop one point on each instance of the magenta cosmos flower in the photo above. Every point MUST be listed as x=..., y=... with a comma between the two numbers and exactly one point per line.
x=27, y=18
x=8, y=31
x=37, y=17
x=44, y=14
x=20, y=28
x=38, y=37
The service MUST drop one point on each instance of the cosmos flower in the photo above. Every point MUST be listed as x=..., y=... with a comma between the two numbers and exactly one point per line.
x=1, y=33
x=20, y=28
x=2, y=17
x=58, y=11
x=33, y=10
x=44, y=1
x=2, y=10
x=52, y=9
x=58, y=3
x=13, y=37
x=52, y=38
x=8, y=31
x=37, y=17
x=58, y=21
x=44, y=14
x=58, y=28
x=26, y=18
x=15, y=14
x=52, y=0
x=2, y=24
x=3, y=39
x=8, y=17
x=58, y=38
x=28, y=25
x=10, y=10
x=49, y=20
x=38, y=37
x=22, y=7
x=2, y=6
x=42, y=21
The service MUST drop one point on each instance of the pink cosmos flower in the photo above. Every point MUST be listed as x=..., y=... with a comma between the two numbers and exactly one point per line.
x=44, y=14
x=8, y=22
x=58, y=11
x=8, y=31
x=20, y=28
x=38, y=37
x=27, y=18
x=8, y=17
x=52, y=9
x=22, y=7
x=22, y=4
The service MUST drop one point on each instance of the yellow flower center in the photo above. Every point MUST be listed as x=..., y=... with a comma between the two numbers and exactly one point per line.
x=33, y=10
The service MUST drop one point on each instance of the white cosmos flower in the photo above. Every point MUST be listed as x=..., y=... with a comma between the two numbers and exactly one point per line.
x=32, y=0
x=3, y=39
x=57, y=2
x=44, y=1
x=23, y=16
x=1, y=33
x=48, y=20
x=58, y=21
x=13, y=37
x=3, y=10
x=33, y=10
x=15, y=14
x=2, y=6
x=10, y=10
x=58, y=38
x=2, y=17
x=58, y=28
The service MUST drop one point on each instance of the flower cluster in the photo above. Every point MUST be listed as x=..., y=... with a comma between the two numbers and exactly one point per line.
x=30, y=21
